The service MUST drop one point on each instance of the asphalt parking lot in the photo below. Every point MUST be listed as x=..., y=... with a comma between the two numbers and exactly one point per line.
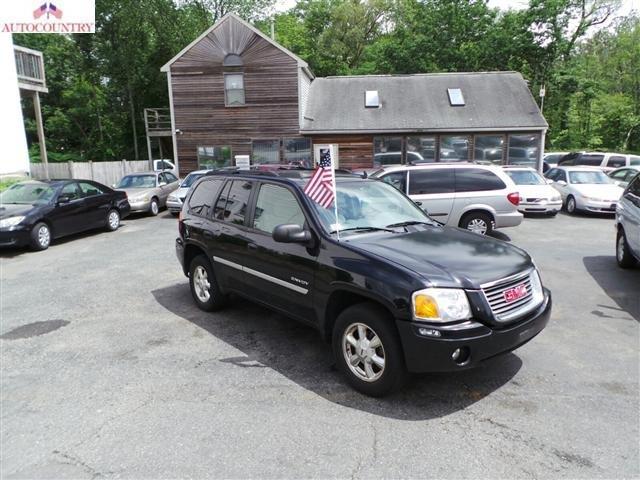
x=109, y=370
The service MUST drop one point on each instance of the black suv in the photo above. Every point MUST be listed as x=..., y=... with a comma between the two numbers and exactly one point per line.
x=393, y=291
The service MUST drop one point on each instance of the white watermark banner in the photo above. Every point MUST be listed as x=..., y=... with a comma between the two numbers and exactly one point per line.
x=39, y=16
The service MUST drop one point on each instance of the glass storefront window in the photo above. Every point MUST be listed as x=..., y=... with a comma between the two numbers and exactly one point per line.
x=214, y=157
x=297, y=151
x=488, y=149
x=265, y=151
x=524, y=149
x=387, y=151
x=454, y=148
x=421, y=149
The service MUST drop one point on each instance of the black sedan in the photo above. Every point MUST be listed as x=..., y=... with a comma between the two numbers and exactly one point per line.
x=34, y=212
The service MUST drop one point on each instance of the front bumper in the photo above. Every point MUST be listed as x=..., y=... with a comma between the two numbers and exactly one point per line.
x=174, y=206
x=512, y=219
x=140, y=206
x=542, y=206
x=434, y=354
x=15, y=237
x=596, y=206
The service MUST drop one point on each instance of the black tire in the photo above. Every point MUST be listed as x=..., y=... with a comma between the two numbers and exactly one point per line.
x=113, y=220
x=378, y=322
x=571, y=205
x=624, y=257
x=40, y=236
x=154, y=207
x=208, y=299
x=175, y=214
x=475, y=221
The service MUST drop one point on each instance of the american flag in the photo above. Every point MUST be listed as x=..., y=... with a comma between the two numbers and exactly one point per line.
x=320, y=185
x=41, y=10
x=55, y=11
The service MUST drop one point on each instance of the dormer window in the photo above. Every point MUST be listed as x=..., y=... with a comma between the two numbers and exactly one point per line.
x=233, y=89
x=371, y=99
x=455, y=97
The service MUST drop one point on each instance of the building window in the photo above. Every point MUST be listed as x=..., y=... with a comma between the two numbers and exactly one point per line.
x=421, y=149
x=488, y=149
x=233, y=89
x=214, y=157
x=454, y=148
x=456, y=99
x=387, y=151
x=371, y=99
x=265, y=151
x=524, y=149
x=297, y=151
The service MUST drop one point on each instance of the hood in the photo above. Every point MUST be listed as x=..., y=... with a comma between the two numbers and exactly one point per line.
x=12, y=210
x=447, y=257
x=605, y=191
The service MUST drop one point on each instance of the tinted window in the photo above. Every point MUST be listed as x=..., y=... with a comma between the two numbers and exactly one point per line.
x=634, y=186
x=203, y=196
x=170, y=177
x=568, y=159
x=553, y=158
x=436, y=180
x=633, y=160
x=72, y=191
x=397, y=179
x=235, y=199
x=476, y=180
x=616, y=161
x=276, y=206
x=562, y=175
x=592, y=160
x=89, y=189
x=620, y=174
x=552, y=174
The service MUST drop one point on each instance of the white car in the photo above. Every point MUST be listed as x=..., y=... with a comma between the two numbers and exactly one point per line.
x=536, y=195
x=176, y=199
x=622, y=176
x=585, y=188
x=628, y=225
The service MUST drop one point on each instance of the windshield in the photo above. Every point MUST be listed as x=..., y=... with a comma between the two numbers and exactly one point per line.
x=138, y=181
x=369, y=205
x=588, y=177
x=28, y=193
x=191, y=178
x=525, y=177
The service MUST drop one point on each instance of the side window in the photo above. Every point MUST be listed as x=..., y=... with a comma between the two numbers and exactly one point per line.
x=616, y=161
x=476, y=180
x=72, y=191
x=276, y=206
x=590, y=160
x=170, y=177
x=162, y=178
x=236, y=199
x=634, y=186
x=562, y=175
x=89, y=189
x=436, y=180
x=396, y=179
x=552, y=174
x=620, y=174
x=202, y=198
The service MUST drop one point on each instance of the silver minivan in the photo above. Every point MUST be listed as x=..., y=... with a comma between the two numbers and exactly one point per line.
x=476, y=197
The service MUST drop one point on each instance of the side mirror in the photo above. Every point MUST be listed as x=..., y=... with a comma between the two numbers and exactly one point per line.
x=562, y=183
x=291, y=233
x=63, y=199
x=549, y=181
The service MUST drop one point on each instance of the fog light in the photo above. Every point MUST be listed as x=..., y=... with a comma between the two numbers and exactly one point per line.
x=461, y=355
x=429, y=332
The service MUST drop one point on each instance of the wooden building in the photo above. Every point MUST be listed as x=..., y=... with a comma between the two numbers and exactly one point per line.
x=234, y=91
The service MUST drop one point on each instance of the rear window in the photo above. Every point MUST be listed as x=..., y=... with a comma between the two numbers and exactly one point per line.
x=433, y=180
x=201, y=201
x=477, y=180
x=591, y=160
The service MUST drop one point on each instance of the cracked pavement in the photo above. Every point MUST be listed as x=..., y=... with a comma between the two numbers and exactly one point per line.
x=109, y=371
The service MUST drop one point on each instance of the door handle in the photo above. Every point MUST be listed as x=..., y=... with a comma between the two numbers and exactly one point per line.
x=252, y=246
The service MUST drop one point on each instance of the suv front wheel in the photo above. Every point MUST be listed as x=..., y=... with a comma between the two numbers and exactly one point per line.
x=204, y=287
x=367, y=350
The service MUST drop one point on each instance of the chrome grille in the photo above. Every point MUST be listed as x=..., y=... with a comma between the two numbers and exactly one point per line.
x=505, y=311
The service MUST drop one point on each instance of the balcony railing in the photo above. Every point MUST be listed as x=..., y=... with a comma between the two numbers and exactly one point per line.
x=157, y=121
x=30, y=68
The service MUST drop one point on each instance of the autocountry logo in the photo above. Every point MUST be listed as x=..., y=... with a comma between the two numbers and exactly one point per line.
x=48, y=17
x=47, y=8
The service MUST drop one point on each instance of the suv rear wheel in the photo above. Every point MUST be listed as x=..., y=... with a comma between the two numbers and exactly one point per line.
x=204, y=287
x=477, y=222
x=367, y=350
x=623, y=252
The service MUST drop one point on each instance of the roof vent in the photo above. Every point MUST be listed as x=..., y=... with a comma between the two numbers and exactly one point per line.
x=455, y=97
x=232, y=60
x=371, y=99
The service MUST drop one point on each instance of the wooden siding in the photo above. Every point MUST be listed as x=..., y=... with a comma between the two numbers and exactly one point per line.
x=354, y=151
x=271, y=94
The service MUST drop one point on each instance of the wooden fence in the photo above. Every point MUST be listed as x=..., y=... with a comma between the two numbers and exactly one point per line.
x=106, y=173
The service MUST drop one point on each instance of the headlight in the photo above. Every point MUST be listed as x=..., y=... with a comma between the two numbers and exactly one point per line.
x=440, y=305
x=11, y=221
x=141, y=198
x=172, y=197
x=536, y=287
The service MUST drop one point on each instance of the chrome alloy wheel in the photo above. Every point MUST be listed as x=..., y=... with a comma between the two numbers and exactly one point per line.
x=114, y=220
x=620, y=250
x=478, y=225
x=44, y=236
x=201, y=284
x=154, y=207
x=363, y=352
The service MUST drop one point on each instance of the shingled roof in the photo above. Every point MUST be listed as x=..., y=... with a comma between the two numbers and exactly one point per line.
x=420, y=103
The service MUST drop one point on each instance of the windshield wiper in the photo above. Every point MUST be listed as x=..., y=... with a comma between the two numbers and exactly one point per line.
x=409, y=222
x=368, y=229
